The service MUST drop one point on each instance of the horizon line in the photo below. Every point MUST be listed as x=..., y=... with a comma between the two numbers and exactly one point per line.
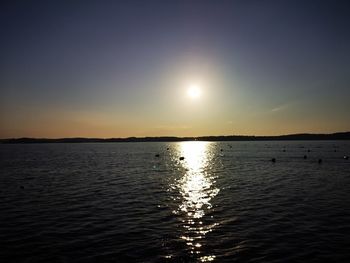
x=295, y=136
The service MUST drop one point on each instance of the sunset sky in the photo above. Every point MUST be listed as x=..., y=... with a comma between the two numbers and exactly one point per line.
x=124, y=68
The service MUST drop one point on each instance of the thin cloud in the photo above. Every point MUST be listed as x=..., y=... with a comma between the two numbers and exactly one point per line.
x=280, y=108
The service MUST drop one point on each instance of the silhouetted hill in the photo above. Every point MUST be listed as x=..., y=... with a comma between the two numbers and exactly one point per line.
x=290, y=137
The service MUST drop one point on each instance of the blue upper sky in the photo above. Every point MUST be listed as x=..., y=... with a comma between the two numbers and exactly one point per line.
x=122, y=68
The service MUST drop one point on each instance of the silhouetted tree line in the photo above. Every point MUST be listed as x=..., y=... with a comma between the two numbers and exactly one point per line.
x=290, y=137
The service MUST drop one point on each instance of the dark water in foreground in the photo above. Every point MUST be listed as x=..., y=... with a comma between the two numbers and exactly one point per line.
x=119, y=203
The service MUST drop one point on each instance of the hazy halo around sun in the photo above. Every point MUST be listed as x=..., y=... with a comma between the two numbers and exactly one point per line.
x=194, y=91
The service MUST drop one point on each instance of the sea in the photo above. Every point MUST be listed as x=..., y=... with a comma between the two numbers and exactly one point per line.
x=193, y=201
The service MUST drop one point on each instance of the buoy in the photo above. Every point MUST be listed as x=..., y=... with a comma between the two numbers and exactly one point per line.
x=167, y=149
x=221, y=150
x=273, y=160
x=182, y=158
x=157, y=155
x=305, y=157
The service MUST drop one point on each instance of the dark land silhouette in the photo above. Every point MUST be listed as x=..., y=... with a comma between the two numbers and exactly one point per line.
x=290, y=137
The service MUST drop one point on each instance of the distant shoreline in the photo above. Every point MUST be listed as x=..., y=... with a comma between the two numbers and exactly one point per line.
x=290, y=137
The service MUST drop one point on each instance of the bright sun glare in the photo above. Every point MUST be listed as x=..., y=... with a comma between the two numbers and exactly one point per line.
x=194, y=92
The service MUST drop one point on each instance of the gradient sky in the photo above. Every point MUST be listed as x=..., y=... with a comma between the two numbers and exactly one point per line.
x=120, y=69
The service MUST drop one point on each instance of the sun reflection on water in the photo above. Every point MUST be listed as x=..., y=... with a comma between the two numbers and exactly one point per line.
x=196, y=188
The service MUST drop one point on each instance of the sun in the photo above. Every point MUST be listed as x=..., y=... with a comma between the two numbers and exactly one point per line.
x=194, y=92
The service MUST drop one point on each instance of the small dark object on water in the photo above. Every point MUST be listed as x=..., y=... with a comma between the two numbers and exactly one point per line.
x=305, y=156
x=320, y=161
x=182, y=158
x=284, y=150
x=335, y=151
x=157, y=155
x=221, y=150
x=22, y=187
x=273, y=160
x=346, y=157
x=167, y=149
x=308, y=150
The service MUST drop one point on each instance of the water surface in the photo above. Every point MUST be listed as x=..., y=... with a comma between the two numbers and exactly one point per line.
x=224, y=202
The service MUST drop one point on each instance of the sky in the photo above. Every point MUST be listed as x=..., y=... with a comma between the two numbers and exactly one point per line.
x=123, y=68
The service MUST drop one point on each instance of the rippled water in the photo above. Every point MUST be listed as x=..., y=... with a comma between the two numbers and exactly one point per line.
x=224, y=202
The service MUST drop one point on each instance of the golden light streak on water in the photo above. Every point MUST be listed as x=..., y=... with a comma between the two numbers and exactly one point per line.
x=197, y=188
